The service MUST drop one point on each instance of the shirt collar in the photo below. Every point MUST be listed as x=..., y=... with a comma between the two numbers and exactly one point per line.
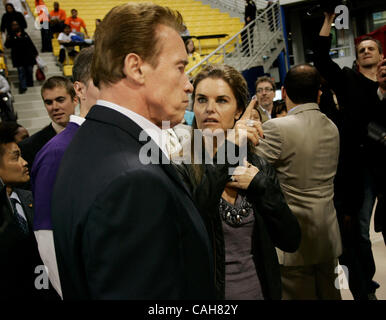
x=76, y=119
x=14, y=196
x=149, y=127
x=265, y=111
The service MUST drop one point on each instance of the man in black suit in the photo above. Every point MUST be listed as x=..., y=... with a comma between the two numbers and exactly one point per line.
x=124, y=229
x=19, y=257
x=59, y=99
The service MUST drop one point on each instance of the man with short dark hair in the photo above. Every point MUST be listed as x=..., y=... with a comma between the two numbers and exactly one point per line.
x=57, y=18
x=125, y=229
x=18, y=251
x=304, y=147
x=76, y=23
x=60, y=101
x=47, y=161
x=359, y=95
x=265, y=93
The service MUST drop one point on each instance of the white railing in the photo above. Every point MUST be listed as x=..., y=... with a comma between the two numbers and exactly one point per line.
x=254, y=45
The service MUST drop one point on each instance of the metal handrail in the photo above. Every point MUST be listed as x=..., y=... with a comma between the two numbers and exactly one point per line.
x=237, y=5
x=251, y=44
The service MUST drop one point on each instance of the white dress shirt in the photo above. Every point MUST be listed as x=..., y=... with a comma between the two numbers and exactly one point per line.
x=149, y=127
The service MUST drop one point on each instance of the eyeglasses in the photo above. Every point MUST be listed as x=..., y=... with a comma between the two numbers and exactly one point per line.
x=261, y=90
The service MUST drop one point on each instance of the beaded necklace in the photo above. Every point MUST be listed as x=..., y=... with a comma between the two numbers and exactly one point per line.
x=234, y=216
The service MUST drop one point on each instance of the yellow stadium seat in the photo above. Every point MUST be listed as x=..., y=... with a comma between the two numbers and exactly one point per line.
x=67, y=70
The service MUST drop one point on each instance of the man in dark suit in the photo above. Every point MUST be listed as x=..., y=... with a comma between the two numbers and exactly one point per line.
x=124, y=229
x=60, y=101
x=18, y=249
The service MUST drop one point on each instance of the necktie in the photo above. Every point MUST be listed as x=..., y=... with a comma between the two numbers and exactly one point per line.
x=20, y=220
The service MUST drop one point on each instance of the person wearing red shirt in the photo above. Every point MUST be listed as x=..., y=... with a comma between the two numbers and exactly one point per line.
x=76, y=23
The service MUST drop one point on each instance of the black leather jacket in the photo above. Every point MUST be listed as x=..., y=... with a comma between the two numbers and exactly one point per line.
x=275, y=225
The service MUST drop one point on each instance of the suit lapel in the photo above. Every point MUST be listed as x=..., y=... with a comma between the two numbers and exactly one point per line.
x=115, y=118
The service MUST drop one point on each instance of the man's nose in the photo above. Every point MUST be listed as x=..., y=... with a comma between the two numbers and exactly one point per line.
x=55, y=105
x=188, y=86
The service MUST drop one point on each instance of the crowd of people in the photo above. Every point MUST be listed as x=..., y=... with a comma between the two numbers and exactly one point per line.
x=115, y=212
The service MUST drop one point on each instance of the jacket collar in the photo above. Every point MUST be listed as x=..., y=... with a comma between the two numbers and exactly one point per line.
x=117, y=119
x=304, y=107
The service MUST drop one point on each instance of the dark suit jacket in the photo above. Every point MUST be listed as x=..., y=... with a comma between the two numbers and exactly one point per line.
x=19, y=255
x=123, y=229
x=32, y=145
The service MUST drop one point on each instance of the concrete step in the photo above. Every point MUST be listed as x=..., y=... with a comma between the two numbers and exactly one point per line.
x=28, y=97
x=38, y=122
x=15, y=83
x=15, y=78
x=51, y=66
x=31, y=113
x=31, y=90
x=28, y=106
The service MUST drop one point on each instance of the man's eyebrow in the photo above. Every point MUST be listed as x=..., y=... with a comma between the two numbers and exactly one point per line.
x=15, y=152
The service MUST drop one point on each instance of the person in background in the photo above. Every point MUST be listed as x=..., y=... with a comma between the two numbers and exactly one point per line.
x=265, y=93
x=43, y=18
x=193, y=56
x=76, y=24
x=20, y=261
x=18, y=131
x=249, y=16
x=59, y=99
x=47, y=161
x=246, y=214
x=23, y=54
x=359, y=94
x=19, y=5
x=57, y=19
x=9, y=16
x=303, y=147
x=63, y=38
x=279, y=109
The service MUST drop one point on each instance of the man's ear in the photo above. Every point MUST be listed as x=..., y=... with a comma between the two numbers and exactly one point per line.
x=283, y=93
x=132, y=68
x=80, y=90
x=320, y=92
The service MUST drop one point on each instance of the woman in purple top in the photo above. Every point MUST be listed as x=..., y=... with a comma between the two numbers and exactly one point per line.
x=246, y=214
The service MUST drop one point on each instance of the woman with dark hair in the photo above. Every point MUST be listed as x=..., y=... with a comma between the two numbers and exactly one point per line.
x=23, y=54
x=246, y=214
x=279, y=109
x=12, y=15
